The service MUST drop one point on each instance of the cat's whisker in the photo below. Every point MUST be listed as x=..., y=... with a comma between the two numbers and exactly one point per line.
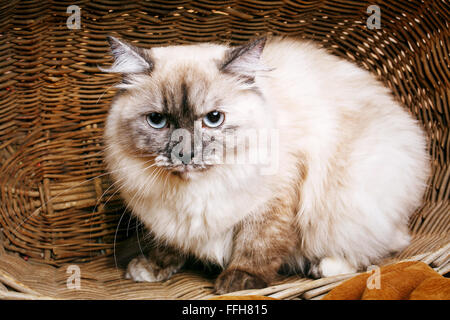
x=38, y=210
x=119, y=181
x=101, y=96
x=120, y=220
x=140, y=195
x=123, y=213
x=130, y=202
x=139, y=222
x=115, y=239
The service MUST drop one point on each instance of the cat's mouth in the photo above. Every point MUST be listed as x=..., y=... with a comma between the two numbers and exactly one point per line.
x=187, y=171
x=182, y=170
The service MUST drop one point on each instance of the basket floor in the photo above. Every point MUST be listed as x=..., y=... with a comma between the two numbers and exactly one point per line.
x=100, y=279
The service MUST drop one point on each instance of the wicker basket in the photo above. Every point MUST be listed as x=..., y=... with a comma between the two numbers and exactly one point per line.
x=58, y=208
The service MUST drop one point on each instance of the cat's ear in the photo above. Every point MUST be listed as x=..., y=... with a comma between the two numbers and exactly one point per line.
x=244, y=60
x=128, y=58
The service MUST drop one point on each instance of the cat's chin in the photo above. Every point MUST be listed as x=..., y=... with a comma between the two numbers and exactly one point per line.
x=185, y=175
x=188, y=172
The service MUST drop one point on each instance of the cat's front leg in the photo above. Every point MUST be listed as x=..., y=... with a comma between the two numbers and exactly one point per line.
x=260, y=247
x=159, y=264
x=331, y=266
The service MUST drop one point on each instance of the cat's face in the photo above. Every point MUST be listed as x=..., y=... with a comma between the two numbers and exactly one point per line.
x=187, y=107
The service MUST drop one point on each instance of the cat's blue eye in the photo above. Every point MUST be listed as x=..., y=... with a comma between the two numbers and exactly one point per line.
x=156, y=120
x=213, y=119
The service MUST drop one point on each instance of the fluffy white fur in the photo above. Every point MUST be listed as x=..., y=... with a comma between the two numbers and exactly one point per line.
x=365, y=157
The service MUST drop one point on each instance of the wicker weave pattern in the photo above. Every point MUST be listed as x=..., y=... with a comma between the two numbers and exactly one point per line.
x=57, y=204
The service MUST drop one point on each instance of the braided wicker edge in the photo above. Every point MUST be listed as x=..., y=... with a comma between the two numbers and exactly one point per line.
x=302, y=288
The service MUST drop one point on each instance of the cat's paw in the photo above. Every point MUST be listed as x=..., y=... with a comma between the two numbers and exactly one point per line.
x=142, y=270
x=232, y=280
x=328, y=267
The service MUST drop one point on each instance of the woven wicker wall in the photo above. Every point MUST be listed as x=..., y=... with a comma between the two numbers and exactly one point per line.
x=57, y=205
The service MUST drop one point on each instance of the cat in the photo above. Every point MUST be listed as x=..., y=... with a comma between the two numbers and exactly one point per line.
x=351, y=163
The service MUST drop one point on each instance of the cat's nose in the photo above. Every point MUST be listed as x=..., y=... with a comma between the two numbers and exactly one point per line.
x=185, y=159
